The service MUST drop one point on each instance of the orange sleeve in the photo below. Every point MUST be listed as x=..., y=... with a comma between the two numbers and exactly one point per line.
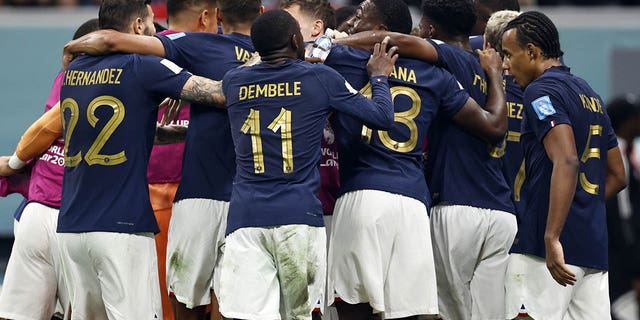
x=40, y=135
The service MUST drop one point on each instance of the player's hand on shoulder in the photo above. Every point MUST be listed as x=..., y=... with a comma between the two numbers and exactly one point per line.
x=382, y=59
x=490, y=60
x=255, y=59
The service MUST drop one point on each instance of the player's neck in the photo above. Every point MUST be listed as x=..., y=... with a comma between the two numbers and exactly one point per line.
x=278, y=57
x=461, y=42
x=547, y=64
x=241, y=28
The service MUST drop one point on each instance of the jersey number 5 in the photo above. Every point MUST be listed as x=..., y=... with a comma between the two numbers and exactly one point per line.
x=588, y=153
x=93, y=155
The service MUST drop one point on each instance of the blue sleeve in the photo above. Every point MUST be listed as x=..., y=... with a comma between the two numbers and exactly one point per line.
x=160, y=76
x=376, y=113
x=454, y=97
x=543, y=109
x=184, y=48
x=441, y=48
x=612, y=140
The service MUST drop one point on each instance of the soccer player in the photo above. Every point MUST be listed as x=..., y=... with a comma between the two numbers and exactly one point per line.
x=165, y=163
x=383, y=193
x=558, y=268
x=106, y=222
x=209, y=165
x=275, y=256
x=33, y=285
x=512, y=156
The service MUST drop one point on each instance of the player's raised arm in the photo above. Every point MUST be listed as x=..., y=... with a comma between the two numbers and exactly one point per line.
x=376, y=113
x=408, y=46
x=103, y=42
x=491, y=122
x=203, y=90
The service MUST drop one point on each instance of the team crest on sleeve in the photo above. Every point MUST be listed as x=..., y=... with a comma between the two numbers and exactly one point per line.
x=349, y=87
x=171, y=66
x=543, y=107
x=175, y=36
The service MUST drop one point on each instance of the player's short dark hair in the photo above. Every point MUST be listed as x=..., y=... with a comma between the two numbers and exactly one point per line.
x=536, y=28
x=498, y=5
x=455, y=17
x=318, y=9
x=88, y=26
x=395, y=15
x=118, y=14
x=235, y=11
x=344, y=13
x=272, y=31
x=622, y=109
x=175, y=7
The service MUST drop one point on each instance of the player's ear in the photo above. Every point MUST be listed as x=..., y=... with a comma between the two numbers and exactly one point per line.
x=532, y=51
x=318, y=28
x=137, y=26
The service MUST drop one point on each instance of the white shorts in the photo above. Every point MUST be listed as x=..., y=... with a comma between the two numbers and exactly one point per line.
x=33, y=280
x=471, y=251
x=194, y=249
x=273, y=273
x=111, y=275
x=380, y=252
x=529, y=283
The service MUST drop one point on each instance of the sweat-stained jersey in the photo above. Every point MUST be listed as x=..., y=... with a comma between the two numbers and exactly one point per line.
x=558, y=98
x=209, y=160
x=277, y=116
x=391, y=160
x=109, y=105
x=458, y=160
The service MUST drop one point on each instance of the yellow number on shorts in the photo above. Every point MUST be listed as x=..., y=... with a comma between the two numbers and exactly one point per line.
x=93, y=155
x=72, y=105
x=404, y=117
x=592, y=188
x=282, y=122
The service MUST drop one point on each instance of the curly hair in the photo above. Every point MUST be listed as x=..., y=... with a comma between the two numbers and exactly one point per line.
x=455, y=17
x=395, y=14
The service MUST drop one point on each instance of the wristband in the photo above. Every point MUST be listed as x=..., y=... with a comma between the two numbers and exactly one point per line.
x=15, y=163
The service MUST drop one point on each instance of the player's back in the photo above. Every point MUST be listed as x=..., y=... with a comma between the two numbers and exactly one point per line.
x=558, y=97
x=458, y=160
x=109, y=107
x=209, y=159
x=513, y=166
x=277, y=116
x=392, y=160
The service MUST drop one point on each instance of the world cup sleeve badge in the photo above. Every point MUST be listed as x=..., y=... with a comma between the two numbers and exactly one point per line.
x=543, y=107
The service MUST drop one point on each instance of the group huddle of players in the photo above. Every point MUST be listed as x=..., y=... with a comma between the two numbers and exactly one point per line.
x=471, y=183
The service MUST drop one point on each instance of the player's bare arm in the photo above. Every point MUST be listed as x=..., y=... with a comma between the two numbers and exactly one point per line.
x=103, y=42
x=616, y=178
x=408, y=46
x=490, y=123
x=204, y=91
x=559, y=143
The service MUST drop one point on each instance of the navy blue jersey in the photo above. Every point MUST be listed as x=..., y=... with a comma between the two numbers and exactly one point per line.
x=392, y=160
x=513, y=166
x=463, y=169
x=110, y=107
x=277, y=115
x=558, y=97
x=476, y=42
x=208, y=164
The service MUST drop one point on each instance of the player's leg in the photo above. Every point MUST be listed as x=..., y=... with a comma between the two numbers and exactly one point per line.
x=529, y=284
x=358, y=253
x=591, y=297
x=30, y=285
x=161, y=196
x=127, y=270
x=487, y=284
x=458, y=233
x=300, y=257
x=85, y=293
x=196, y=235
x=249, y=286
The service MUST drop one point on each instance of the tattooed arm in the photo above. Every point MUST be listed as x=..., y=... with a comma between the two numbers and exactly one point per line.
x=204, y=91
